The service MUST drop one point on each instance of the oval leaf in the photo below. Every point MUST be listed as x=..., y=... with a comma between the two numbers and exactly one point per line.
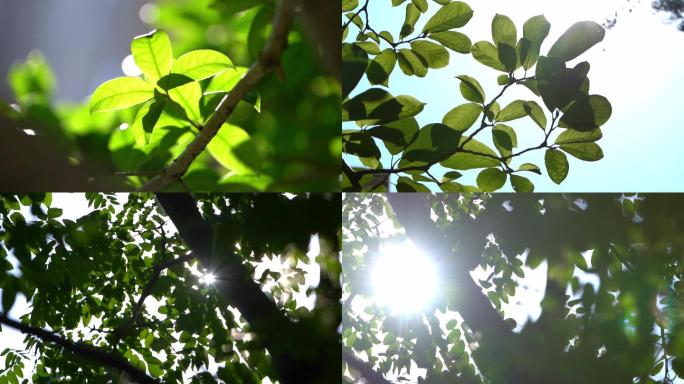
x=153, y=54
x=119, y=93
x=576, y=40
x=453, y=15
x=491, y=179
x=556, y=165
x=233, y=148
x=201, y=64
x=462, y=117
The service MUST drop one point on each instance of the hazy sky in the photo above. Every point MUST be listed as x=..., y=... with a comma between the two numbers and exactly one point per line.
x=637, y=67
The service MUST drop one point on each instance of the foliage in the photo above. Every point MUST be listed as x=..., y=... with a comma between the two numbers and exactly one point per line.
x=122, y=280
x=282, y=136
x=625, y=328
x=572, y=128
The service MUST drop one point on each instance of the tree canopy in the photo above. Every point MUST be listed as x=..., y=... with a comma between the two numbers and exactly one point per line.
x=388, y=139
x=624, y=326
x=231, y=96
x=117, y=294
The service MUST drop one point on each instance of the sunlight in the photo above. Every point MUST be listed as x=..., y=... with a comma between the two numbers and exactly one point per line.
x=129, y=68
x=404, y=279
x=208, y=279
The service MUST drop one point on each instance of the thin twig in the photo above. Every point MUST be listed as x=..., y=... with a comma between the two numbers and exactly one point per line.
x=83, y=350
x=267, y=62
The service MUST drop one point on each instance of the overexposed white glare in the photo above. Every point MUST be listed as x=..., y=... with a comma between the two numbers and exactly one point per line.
x=129, y=67
x=149, y=13
x=404, y=279
x=208, y=279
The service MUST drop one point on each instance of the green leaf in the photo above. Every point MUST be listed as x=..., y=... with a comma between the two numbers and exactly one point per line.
x=521, y=184
x=535, y=31
x=410, y=19
x=54, y=213
x=587, y=113
x=119, y=93
x=422, y=5
x=230, y=7
x=463, y=116
x=145, y=121
x=349, y=5
x=453, y=15
x=504, y=138
x=453, y=40
x=433, y=143
x=354, y=63
x=529, y=167
x=404, y=184
x=464, y=161
x=512, y=111
x=571, y=136
x=451, y=175
x=507, y=56
x=556, y=165
x=584, y=151
x=379, y=106
x=226, y=80
x=536, y=113
x=678, y=366
x=188, y=97
x=201, y=64
x=234, y=149
x=491, y=179
x=435, y=55
x=487, y=54
x=576, y=40
x=361, y=144
x=153, y=54
x=471, y=89
x=396, y=135
x=9, y=293
x=502, y=79
x=504, y=31
x=412, y=64
x=380, y=68
x=369, y=46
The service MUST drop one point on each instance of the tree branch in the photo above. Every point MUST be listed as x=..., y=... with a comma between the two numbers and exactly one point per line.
x=364, y=368
x=83, y=350
x=268, y=61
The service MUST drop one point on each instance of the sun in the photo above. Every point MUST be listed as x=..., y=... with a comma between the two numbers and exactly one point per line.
x=404, y=279
x=208, y=278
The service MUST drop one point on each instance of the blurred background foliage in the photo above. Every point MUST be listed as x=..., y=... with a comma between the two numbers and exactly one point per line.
x=612, y=291
x=296, y=132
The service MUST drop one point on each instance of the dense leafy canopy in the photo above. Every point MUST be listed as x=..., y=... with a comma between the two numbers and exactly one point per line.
x=387, y=123
x=123, y=281
x=612, y=305
x=285, y=129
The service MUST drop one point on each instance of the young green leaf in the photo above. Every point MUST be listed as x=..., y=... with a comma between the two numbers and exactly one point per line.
x=463, y=116
x=233, y=148
x=504, y=31
x=529, y=167
x=471, y=89
x=491, y=179
x=412, y=15
x=487, y=54
x=201, y=64
x=188, y=97
x=556, y=165
x=536, y=113
x=119, y=93
x=226, y=80
x=453, y=15
x=145, y=120
x=381, y=67
x=412, y=64
x=576, y=40
x=571, y=136
x=153, y=54
x=456, y=41
x=584, y=151
x=512, y=111
x=435, y=55
x=521, y=184
x=464, y=161
x=535, y=31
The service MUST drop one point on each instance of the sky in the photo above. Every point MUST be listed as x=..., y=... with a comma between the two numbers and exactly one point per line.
x=75, y=205
x=637, y=67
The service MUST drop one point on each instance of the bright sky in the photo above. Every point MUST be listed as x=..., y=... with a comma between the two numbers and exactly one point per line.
x=637, y=67
x=75, y=206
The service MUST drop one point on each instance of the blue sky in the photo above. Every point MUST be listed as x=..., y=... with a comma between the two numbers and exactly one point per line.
x=637, y=67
